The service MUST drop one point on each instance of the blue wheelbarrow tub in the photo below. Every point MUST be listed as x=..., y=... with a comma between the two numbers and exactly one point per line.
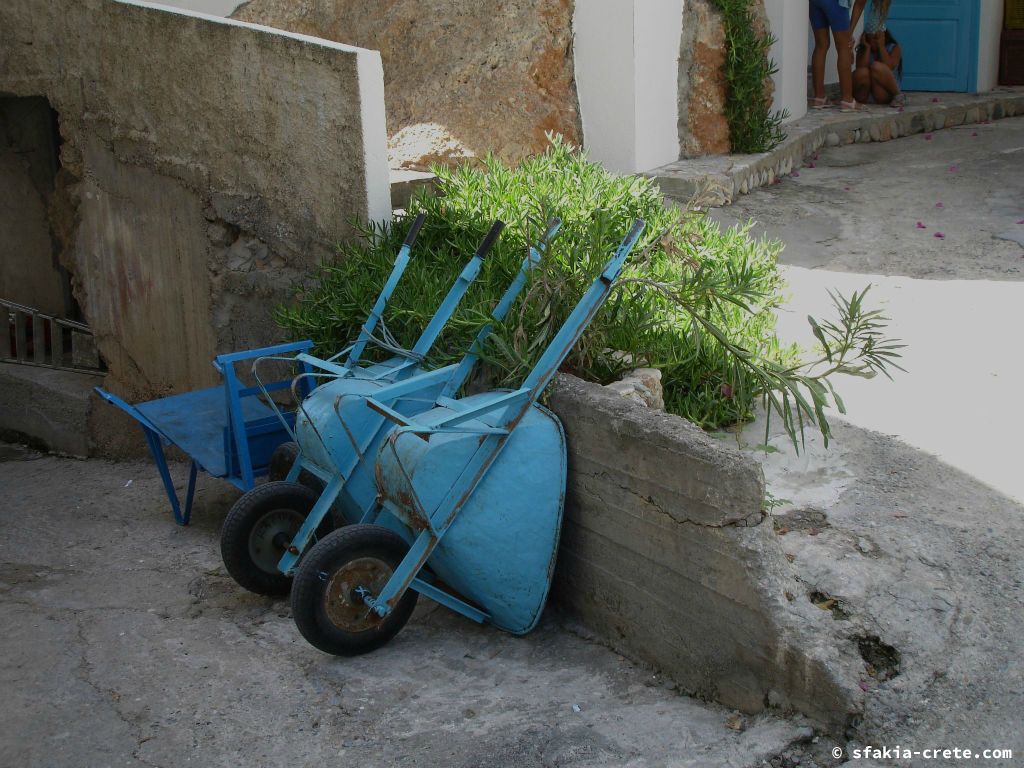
x=318, y=428
x=499, y=552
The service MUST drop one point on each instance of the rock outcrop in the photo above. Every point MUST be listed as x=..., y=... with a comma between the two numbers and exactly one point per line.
x=460, y=79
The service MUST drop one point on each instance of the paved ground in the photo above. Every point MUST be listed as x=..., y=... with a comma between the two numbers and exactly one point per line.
x=911, y=524
x=125, y=643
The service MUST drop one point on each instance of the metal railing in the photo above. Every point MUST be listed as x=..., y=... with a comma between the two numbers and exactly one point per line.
x=32, y=337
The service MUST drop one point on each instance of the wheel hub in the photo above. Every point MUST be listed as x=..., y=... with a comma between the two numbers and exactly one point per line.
x=343, y=601
x=271, y=536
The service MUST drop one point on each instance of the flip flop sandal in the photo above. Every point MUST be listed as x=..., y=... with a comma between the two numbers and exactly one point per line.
x=852, y=106
x=822, y=103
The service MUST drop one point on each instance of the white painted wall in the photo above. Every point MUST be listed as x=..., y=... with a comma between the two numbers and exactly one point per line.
x=627, y=67
x=212, y=7
x=990, y=30
x=790, y=25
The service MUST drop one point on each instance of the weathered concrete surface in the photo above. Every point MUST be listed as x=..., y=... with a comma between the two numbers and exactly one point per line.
x=723, y=179
x=462, y=78
x=186, y=205
x=49, y=406
x=125, y=643
x=913, y=519
x=665, y=557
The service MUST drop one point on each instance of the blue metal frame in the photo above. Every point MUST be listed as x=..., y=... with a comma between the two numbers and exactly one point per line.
x=348, y=454
x=505, y=411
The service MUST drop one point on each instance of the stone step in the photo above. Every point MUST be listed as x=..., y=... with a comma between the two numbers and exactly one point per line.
x=718, y=180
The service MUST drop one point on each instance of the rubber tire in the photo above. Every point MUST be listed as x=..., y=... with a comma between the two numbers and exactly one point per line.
x=281, y=461
x=245, y=514
x=330, y=554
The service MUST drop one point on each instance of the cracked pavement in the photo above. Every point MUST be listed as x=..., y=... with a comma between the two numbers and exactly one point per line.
x=125, y=643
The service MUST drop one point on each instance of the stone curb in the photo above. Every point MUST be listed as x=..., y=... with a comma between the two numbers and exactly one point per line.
x=721, y=179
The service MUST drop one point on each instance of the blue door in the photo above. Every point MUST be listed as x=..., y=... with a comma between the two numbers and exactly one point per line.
x=940, y=43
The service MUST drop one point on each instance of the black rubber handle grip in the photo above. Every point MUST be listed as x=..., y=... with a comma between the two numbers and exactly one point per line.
x=414, y=230
x=553, y=225
x=491, y=238
x=635, y=230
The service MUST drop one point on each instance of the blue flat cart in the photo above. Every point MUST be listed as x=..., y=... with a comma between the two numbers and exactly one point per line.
x=228, y=431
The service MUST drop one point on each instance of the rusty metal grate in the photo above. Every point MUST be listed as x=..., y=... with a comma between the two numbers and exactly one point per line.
x=35, y=338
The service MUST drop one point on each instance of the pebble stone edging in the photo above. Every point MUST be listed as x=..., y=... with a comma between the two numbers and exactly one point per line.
x=723, y=178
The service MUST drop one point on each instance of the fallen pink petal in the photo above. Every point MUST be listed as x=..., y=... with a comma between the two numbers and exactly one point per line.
x=795, y=174
x=811, y=165
x=936, y=100
x=1021, y=221
x=974, y=134
x=921, y=226
x=954, y=168
x=939, y=205
x=863, y=686
x=940, y=235
x=927, y=137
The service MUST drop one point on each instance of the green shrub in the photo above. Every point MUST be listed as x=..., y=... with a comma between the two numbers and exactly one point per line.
x=694, y=301
x=753, y=127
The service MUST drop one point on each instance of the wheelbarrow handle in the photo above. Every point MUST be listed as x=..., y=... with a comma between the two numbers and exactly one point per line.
x=414, y=230
x=491, y=239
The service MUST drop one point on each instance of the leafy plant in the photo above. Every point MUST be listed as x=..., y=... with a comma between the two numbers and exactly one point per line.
x=753, y=127
x=695, y=301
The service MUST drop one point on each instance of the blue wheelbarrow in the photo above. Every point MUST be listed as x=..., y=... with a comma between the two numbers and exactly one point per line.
x=267, y=530
x=233, y=431
x=478, y=486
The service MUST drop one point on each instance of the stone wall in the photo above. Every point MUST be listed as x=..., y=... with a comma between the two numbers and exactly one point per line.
x=461, y=77
x=204, y=166
x=666, y=557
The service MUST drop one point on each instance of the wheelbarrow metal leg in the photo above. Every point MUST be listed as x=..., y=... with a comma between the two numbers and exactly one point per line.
x=316, y=516
x=449, y=601
x=190, y=494
x=157, y=449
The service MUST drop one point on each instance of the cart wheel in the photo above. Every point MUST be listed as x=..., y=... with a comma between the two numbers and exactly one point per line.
x=281, y=461
x=327, y=609
x=259, y=527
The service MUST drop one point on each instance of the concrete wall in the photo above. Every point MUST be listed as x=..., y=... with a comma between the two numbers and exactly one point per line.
x=666, y=558
x=626, y=58
x=789, y=22
x=205, y=165
x=990, y=31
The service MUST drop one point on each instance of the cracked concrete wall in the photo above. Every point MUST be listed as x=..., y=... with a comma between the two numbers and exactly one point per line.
x=205, y=165
x=666, y=557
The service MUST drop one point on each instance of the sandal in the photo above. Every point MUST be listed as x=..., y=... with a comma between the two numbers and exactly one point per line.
x=822, y=103
x=852, y=106
x=899, y=100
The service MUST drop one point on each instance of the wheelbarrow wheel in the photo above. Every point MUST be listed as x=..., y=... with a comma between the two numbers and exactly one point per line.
x=326, y=603
x=281, y=461
x=258, y=529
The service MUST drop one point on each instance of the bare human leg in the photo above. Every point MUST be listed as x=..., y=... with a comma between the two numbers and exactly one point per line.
x=818, y=62
x=883, y=83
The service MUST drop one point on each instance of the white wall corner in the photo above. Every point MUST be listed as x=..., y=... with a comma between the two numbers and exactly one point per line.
x=375, y=135
x=604, y=65
x=790, y=25
x=990, y=31
x=657, y=28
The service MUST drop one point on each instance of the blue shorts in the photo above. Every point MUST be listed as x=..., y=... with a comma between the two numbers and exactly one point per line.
x=829, y=14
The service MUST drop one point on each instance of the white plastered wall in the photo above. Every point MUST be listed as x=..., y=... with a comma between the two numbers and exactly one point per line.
x=211, y=7
x=789, y=24
x=990, y=31
x=627, y=68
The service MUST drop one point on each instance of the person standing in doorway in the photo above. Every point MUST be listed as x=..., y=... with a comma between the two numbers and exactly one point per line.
x=834, y=16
